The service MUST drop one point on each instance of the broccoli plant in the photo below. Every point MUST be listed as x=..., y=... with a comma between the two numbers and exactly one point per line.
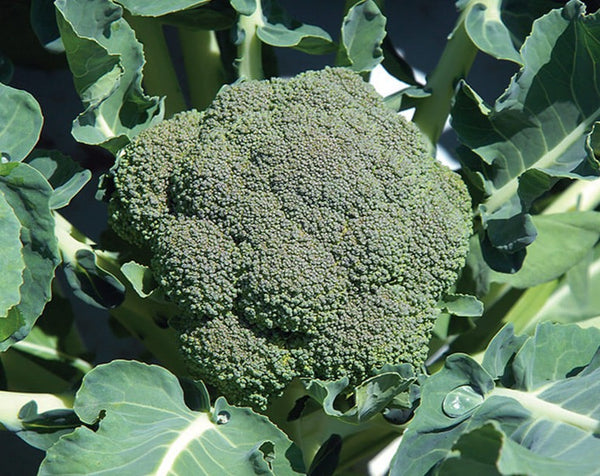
x=314, y=293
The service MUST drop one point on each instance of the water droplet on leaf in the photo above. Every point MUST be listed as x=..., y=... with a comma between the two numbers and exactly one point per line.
x=461, y=401
x=223, y=418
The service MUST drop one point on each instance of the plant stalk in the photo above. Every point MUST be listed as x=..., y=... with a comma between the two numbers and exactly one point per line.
x=454, y=64
x=145, y=319
x=160, y=78
x=249, y=58
x=204, y=70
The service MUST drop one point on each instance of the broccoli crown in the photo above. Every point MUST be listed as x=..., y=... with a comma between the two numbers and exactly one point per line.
x=300, y=226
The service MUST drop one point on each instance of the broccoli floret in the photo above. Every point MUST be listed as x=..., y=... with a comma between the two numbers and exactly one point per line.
x=300, y=226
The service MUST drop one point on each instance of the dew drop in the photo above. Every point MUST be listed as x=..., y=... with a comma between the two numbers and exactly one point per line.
x=461, y=401
x=223, y=418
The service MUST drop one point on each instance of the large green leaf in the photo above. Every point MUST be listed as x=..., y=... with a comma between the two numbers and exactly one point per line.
x=20, y=123
x=11, y=258
x=279, y=29
x=363, y=31
x=574, y=298
x=499, y=27
x=156, y=8
x=28, y=194
x=530, y=407
x=563, y=240
x=145, y=427
x=106, y=61
x=537, y=130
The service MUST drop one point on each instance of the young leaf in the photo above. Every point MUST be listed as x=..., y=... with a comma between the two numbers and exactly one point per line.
x=363, y=31
x=144, y=427
x=106, y=61
x=537, y=130
x=20, y=123
x=539, y=397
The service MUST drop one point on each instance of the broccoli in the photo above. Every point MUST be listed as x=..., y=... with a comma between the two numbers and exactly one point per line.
x=301, y=228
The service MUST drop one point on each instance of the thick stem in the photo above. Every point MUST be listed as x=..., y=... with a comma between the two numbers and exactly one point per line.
x=249, y=58
x=457, y=58
x=202, y=60
x=160, y=78
x=145, y=319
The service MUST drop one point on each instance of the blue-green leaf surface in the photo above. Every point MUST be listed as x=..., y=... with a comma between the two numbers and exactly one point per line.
x=499, y=27
x=244, y=7
x=156, y=8
x=12, y=263
x=20, y=123
x=563, y=240
x=28, y=194
x=106, y=61
x=64, y=174
x=531, y=407
x=280, y=30
x=536, y=132
x=363, y=30
x=144, y=427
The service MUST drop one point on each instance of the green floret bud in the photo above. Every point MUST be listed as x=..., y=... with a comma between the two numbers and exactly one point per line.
x=301, y=228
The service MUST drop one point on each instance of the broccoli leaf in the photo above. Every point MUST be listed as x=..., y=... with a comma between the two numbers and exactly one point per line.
x=530, y=406
x=106, y=61
x=144, y=427
x=363, y=31
x=537, y=131
x=20, y=123
x=563, y=240
x=65, y=175
x=28, y=194
x=280, y=30
x=500, y=27
x=12, y=258
x=156, y=8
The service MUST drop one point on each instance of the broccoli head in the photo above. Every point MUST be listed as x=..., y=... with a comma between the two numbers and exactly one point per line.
x=300, y=226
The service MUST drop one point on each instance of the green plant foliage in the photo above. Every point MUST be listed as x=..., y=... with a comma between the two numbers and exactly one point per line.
x=106, y=61
x=279, y=235
x=501, y=413
x=28, y=195
x=20, y=123
x=363, y=30
x=537, y=130
x=499, y=27
x=280, y=30
x=156, y=8
x=144, y=427
x=65, y=176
